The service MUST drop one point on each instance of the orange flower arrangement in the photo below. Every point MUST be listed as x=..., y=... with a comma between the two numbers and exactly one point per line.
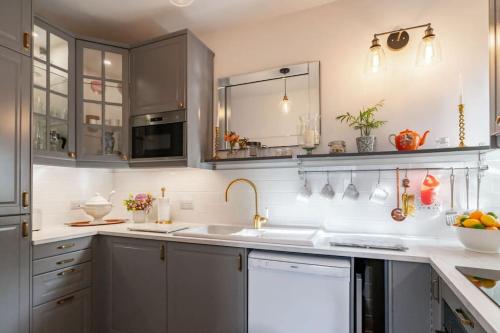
x=232, y=138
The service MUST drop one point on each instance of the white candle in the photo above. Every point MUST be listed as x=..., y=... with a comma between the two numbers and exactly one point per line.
x=310, y=138
x=460, y=89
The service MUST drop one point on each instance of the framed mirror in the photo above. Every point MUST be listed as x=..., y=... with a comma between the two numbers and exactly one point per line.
x=265, y=106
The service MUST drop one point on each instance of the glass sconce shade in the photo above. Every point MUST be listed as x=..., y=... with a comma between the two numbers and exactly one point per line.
x=285, y=105
x=429, y=50
x=376, y=61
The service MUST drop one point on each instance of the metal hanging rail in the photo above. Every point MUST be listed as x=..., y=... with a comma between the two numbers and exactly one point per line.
x=480, y=168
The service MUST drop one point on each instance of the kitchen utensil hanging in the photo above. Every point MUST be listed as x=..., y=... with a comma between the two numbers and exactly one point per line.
x=451, y=213
x=397, y=213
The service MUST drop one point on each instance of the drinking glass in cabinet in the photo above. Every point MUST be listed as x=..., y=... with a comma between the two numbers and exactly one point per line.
x=39, y=101
x=39, y=138
x=111, y=142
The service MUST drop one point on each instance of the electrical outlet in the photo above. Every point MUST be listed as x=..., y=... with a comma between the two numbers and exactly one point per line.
x=76, y=204
x=187, y=204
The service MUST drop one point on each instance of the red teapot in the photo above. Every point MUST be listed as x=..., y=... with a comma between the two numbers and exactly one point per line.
x=408, y=140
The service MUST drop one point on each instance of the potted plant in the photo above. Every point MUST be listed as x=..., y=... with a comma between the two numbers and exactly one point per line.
x=365, y=122
x=139, y=206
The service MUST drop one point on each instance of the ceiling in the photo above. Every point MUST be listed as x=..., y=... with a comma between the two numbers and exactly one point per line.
x=131, y=21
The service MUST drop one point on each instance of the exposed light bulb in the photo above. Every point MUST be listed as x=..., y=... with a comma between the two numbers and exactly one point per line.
x=376, y=58
x=429, y=50
x=285, y=105
x=181, y=3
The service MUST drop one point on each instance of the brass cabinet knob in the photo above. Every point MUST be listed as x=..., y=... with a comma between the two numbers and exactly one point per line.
x=124, y=157
x=180, y=104
x=72, y=154
x=498, y=120
x=26, y=40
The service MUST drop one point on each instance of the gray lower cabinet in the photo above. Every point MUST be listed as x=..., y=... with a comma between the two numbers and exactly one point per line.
x=159, y=76
x=15, y=91
x=409, y=297
x=62, y=286
x=14, y=276
x=207, y=288
x=70, y=314
x=131, y=296
x=15, y=25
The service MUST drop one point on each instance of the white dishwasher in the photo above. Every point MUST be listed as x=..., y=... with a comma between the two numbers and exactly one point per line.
x=292, y=293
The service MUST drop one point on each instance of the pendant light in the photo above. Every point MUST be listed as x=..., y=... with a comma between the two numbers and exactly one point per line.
x=181, y=3
x=285, y=102
x=429, y=50
x=376, y=58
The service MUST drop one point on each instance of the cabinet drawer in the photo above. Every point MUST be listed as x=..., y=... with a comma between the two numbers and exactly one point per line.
x=56, y=248
x=45, y=265
x=466, y=320
x=70, y=313
x=49, y=286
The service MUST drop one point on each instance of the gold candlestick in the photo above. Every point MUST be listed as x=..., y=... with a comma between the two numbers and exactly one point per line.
x=461, y=125
x=216, y=144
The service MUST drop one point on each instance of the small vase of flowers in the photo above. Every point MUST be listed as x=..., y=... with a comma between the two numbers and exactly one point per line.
x=139, y=205
x=232, y=138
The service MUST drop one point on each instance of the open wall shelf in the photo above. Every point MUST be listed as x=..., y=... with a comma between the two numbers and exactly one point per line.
x=427, y=156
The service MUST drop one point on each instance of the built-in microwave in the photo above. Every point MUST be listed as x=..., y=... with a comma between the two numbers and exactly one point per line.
x=159, y=137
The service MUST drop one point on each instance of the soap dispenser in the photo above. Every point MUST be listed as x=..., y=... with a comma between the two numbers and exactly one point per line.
x=163, y=209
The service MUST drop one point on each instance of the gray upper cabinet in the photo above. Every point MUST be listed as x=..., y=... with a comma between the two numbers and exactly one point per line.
x=15, y=25
x=102, y=103
x=159, y=76
x=15, y=123
x=131, y=296
x=206, y=289
x=53, y=95
x=14, y=277
x=409, y=297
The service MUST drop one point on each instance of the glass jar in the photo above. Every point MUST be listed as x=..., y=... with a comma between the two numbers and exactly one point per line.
x=253, y=148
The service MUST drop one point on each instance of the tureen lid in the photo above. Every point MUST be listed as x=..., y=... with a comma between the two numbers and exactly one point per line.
x=97, y=200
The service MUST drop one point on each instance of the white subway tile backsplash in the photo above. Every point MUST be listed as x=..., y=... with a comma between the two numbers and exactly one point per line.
x=55, y=187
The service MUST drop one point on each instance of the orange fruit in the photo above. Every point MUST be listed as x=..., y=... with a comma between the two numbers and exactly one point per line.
x=476, y=215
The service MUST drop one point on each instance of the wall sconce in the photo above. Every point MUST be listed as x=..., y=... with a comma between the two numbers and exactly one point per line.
x=429, y=50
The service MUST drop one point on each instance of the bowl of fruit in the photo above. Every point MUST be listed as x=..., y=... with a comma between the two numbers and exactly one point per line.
x=479, y=231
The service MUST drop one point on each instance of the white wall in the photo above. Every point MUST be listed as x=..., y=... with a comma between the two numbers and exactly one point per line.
x=339, y=35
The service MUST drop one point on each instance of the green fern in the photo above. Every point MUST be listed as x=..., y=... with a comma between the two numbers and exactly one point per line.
x=364, y=122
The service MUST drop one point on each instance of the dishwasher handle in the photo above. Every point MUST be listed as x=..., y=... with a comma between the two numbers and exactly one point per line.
x=359, y=303
x=337, y=272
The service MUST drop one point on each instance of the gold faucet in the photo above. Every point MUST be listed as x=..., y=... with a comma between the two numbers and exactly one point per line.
x=258, y=220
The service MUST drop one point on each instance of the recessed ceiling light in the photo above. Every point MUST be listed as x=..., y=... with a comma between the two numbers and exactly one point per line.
x=181, y=3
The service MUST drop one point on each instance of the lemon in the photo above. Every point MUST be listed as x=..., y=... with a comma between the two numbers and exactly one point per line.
x=488, y=221
x=472, y=223
x=488, y=284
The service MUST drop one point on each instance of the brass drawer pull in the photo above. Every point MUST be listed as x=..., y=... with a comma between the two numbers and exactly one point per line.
x=72, y=154
x=66, y=272
x=65, y=246
x=162, y=253
x=26, y=40
x=25, y=199
x=65, y=300
x=66, y=261
x=240, y=263
x=26, y=229
x=464, y=320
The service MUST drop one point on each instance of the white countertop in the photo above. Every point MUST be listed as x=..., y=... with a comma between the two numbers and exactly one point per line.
x=442, y=255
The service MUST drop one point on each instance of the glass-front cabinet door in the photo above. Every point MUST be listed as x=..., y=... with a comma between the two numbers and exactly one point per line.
x=102, y=103
x=53, y=95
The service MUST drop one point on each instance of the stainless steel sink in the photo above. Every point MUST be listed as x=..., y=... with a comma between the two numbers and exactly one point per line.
x=288, y=236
